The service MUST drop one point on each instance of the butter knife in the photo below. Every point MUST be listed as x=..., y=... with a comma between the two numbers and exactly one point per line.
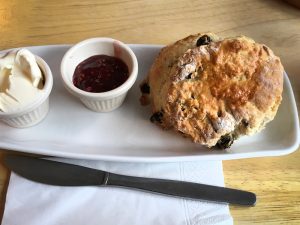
x=63, y=174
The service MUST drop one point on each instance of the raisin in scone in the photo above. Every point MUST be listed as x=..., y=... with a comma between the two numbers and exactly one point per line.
x=216, y=91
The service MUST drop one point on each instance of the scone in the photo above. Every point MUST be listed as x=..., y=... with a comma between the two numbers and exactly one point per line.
x=214, y=91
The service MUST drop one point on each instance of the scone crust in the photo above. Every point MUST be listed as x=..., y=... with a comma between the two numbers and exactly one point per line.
x=163, y=63
x=228, y=88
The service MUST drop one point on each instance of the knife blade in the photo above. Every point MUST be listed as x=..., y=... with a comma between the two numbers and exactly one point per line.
x=64, y=174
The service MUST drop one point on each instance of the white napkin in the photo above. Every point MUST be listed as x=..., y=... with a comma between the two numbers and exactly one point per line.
x=30, y=203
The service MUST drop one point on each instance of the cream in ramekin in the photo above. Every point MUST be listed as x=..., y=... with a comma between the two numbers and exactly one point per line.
x=25, y=85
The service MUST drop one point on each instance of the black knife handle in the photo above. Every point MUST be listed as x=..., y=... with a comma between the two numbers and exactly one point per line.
x=184, y=189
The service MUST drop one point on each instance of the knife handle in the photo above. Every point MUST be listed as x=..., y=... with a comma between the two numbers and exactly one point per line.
x=184, y=189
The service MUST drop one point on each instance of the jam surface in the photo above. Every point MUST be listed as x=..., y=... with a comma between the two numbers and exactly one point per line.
x=100, y=73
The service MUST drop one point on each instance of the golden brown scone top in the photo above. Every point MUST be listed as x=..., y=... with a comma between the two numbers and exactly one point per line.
x=216, y=92
x=168, y=56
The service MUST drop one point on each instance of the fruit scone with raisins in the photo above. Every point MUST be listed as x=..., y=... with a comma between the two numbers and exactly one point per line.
x=214, y=90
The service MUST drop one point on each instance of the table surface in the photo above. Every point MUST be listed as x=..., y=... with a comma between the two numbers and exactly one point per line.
x=275, y=180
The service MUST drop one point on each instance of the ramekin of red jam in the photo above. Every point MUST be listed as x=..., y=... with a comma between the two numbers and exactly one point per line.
x=99, y=71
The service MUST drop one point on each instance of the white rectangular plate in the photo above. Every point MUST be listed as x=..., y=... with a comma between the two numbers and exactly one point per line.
x=126, y=134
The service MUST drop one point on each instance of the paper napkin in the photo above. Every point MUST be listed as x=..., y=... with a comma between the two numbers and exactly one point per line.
x=30, y=203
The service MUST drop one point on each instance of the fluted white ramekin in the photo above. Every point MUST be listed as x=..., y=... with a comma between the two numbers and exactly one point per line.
x=36, y=111
x=103, y=101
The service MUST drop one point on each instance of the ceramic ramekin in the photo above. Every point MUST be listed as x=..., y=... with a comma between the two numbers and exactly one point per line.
x=35, y=112
x=103, y=101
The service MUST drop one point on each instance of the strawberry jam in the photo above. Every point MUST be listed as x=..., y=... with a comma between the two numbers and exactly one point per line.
x=100, y=73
